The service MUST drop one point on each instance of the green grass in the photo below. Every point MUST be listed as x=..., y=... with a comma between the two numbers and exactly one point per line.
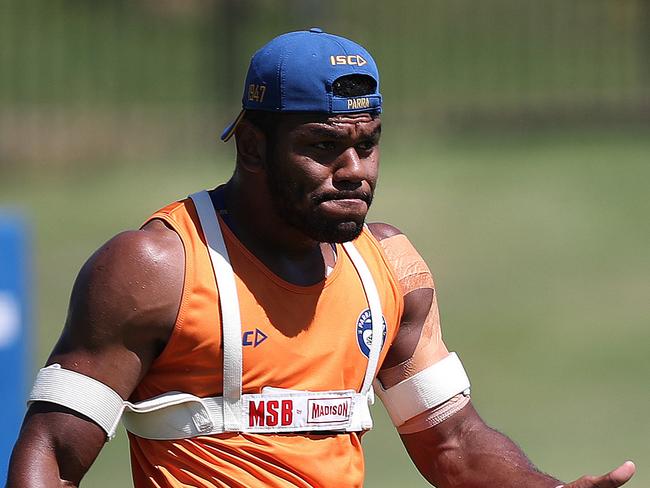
x=539, y=246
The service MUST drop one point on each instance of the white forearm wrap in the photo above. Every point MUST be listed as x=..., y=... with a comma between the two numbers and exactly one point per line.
x=80, y=393
x=424, y=390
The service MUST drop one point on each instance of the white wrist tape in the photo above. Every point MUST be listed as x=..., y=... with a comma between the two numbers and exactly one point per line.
x=80, y=393
x=424, y=390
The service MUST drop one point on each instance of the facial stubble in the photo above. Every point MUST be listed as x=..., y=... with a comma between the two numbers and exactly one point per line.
x=287, y=196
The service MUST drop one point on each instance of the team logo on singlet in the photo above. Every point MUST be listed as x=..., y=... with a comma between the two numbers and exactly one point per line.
x=364, y=332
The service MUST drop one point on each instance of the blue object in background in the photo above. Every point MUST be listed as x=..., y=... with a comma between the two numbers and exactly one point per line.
x=15, y=364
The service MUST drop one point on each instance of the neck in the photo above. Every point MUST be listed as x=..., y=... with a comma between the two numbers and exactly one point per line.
x=254, y=221
x=286, y=251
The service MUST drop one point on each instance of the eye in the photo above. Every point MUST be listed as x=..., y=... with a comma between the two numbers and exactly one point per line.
x=367, y=146
x=324, y=145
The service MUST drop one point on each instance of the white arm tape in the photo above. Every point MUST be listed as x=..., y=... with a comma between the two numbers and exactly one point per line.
x=424, y=390
x=80, y=393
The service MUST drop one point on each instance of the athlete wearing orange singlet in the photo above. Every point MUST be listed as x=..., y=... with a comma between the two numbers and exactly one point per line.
x=263, y=376
x=295, y=337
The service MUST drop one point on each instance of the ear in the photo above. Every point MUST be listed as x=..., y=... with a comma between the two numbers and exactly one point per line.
x=251, y=146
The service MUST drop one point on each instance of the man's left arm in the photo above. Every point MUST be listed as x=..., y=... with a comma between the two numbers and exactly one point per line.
x=449, y=442
x=463, y=451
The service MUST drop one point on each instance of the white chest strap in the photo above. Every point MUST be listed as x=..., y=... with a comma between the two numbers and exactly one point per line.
x=376, y=316
x=229, y=304
x=177, y=415
x=181, y=415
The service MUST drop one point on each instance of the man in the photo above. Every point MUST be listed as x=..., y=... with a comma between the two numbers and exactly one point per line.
x=246, y=325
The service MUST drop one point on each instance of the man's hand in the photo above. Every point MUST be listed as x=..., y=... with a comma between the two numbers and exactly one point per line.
x=613, y=479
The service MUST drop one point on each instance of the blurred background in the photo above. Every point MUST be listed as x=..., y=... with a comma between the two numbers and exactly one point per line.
x=516, y=156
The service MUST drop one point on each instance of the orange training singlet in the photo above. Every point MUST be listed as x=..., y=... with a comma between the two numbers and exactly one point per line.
x=304, y=338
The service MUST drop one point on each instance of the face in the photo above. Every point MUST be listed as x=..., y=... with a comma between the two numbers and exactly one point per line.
x=322, y=173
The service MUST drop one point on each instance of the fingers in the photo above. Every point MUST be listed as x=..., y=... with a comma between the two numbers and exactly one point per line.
x=613, y=479
x=621, y=475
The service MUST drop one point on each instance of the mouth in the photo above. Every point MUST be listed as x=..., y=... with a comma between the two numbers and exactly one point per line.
x=345, y=208
x=345, y=197
x=344, y=205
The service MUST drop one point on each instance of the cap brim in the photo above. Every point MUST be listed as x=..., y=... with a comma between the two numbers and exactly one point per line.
x=230, y=130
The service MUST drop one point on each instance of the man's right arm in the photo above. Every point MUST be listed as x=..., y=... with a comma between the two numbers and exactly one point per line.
x=122, y=311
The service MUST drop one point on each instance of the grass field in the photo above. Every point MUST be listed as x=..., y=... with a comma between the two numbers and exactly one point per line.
x=540, y=249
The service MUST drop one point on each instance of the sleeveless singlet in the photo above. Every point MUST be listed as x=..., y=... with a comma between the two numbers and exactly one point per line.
x=311, y=338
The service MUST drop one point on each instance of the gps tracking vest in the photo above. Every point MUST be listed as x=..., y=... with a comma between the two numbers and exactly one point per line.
x=178, y=415
x=181, y=415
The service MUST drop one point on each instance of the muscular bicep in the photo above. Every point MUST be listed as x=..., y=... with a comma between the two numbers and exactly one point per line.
x=418, y=347
x=122, y=309
x=418, y=343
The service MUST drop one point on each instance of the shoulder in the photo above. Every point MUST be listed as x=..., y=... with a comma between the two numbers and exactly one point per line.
x=154, y=250
x=145, y=247
x=381, y=230
x=134, y=281
x=399, y=252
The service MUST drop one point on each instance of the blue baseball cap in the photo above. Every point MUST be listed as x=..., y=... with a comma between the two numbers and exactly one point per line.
x=295, y=72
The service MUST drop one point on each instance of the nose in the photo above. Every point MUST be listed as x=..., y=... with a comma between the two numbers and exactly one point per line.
x=351, y=170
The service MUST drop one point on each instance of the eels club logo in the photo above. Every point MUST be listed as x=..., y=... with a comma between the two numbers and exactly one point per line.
x=364, y=332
